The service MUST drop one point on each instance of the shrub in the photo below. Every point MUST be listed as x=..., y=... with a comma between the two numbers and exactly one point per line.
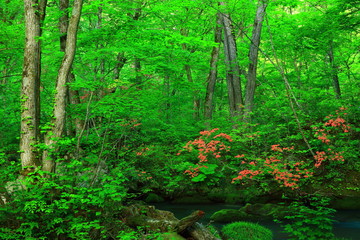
x=66, y=206
x=246, y=230
x=310, y=219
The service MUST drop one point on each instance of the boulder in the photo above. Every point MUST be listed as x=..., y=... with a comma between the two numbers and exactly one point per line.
x=250, y=212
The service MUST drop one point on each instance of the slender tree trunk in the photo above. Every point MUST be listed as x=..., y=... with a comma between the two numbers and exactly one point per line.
x=58, y=123
x=167, y=94
x=73, y=96
x=233, y=69
x=137, y=60
x=291, y=97
x=253, y=59
x=138, y=75
x=74, y=100
x=211, y=80
x=187, y=67
x=30, y=90
x=334, y=72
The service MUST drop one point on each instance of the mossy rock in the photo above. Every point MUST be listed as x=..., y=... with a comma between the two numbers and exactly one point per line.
x=229, y=215
x=246, y=230
x=346, y=203
x=192, y=200
x=265, y=211
x=171, y=236
x=154, y=198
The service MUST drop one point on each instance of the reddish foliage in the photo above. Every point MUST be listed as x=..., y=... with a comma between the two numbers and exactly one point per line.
x=208, y=147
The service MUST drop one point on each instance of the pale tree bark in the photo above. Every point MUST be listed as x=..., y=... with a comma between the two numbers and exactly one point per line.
x=233, y=69
x=59, y=111
x=211, y=80
x=253, y=59
x=73, y=95
x=30, y=90
x=334, y=72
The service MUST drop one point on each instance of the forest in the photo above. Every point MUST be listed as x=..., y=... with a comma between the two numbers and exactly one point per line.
x=109, y=106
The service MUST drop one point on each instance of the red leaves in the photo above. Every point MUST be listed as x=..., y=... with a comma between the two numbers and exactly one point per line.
x=276, y=148
x=287, y=174
x=208, y=148
x=327, y=132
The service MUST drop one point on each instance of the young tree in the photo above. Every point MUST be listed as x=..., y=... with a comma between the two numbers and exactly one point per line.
x=253, y=59
x=59, y=111
x=232, y=66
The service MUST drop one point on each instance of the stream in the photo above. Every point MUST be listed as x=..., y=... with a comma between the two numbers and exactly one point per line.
x=347, y=223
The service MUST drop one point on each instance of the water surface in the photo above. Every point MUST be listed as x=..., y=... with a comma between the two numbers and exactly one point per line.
x=347, y=223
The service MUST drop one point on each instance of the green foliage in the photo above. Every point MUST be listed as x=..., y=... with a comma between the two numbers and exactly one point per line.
x=246, y=230
x=80, y=205
x=309, y=219
x=137, y=96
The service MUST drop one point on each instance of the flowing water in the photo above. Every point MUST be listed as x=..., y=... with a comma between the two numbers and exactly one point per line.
x=347, y=223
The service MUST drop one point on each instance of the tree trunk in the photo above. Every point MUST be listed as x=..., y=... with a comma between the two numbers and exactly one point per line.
x=211, y=80
x=187, y=68
x=73, y=96
x=61, y=89
x=120, y=62
x=138, y=75
x=334, y=72
x=253, y=59
x=30, y=90
x=233, y=69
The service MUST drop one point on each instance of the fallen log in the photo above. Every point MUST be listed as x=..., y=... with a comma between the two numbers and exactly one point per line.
x=188, y=221
x=149, y=218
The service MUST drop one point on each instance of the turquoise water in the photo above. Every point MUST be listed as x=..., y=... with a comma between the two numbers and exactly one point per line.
x=347, y=225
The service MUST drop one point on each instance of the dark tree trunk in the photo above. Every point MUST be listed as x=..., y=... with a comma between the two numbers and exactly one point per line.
x=120, y=62
x=138, y=75
x=334, y=72
x=211, y=80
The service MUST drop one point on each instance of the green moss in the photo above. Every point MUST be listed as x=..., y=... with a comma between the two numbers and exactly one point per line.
x=246, y=230
x=171, y=236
